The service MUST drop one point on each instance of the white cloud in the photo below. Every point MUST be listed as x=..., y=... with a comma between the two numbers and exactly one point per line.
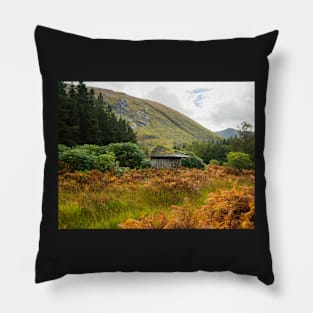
x=215, y=105
x=163, y=95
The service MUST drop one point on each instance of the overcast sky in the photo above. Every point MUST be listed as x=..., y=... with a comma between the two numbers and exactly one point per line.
x=215, y=105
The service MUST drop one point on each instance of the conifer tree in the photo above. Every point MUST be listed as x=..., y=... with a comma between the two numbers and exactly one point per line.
x=85, y=118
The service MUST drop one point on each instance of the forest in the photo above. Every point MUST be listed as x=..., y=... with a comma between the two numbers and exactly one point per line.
x=106, y=181
x=85, y=118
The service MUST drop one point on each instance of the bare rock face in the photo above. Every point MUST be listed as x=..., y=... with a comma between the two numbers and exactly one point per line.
x=142, y=118
x=121, y=106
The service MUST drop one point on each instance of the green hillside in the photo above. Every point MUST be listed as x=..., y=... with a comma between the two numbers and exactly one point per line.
x=155, y=123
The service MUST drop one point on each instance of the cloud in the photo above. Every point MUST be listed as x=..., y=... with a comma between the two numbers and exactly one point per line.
x=200, y=90
x=225, y=105
x=163, y=95
x=198, y=95
x=230, y=113
x=198, y=100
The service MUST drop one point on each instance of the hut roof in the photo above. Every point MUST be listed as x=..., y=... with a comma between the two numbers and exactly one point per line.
x=170, y=156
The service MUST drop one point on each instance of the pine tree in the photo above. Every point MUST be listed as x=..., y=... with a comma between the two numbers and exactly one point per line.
x=93, y=130
x=102, y=117
x=87, y=119
x=63, y=114
x=73, y=118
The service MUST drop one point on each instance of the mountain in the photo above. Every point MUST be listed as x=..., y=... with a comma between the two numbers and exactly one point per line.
x=153, y=122
x=227, y=133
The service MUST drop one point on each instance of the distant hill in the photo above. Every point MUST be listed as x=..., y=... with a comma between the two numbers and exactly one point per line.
x=153, y=122
x=228, y=132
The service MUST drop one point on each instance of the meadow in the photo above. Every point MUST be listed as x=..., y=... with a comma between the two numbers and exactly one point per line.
x=218, y=197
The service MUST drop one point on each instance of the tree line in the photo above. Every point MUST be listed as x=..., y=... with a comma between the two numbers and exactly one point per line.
x=85, y=118
x=219, y=149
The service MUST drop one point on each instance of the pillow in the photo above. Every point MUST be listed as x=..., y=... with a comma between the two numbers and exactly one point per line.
x=154, y=155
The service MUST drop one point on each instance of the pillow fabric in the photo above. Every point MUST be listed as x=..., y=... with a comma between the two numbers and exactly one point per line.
x=135, y=178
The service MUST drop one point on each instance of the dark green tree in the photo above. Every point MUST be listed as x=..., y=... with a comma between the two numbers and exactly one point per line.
x=85, y=118
x=245, y=140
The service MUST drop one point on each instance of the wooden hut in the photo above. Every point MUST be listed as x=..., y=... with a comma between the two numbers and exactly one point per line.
x=167, y=160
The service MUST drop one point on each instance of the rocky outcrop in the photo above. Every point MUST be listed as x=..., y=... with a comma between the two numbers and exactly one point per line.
x=121, y=106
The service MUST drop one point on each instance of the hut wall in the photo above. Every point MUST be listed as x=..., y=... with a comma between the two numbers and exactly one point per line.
x=165, y=163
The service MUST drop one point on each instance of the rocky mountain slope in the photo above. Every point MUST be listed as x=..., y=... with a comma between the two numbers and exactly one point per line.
x=153, y=122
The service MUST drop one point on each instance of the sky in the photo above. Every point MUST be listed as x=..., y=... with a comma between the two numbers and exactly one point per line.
x=215, y=105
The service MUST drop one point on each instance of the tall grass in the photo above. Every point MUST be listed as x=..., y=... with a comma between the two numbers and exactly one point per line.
x=91, y=200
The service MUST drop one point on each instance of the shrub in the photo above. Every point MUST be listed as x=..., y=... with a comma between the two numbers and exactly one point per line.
x=239, y=160
x=214, y=162
x=102, y=158
x=77, y=159
x=146, y=163
x=105, y=162
x=92, y=149
x=62, y=149
x=193, y=162
x=120, y=171
x=127, y=154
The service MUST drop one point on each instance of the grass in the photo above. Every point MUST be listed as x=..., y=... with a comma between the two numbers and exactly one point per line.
x=95, y=200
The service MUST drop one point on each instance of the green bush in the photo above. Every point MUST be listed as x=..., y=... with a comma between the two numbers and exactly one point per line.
x=105, y=162
x=120, y=171
x=193, y=162
x=127, y=154
x=87, y=157
x=214, y=162
x=92, y=149
x=62, y=149
x=146, y=163
x=239, y=160
x=77, y=159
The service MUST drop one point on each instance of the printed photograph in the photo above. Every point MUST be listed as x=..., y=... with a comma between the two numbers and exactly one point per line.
x=156, y=155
